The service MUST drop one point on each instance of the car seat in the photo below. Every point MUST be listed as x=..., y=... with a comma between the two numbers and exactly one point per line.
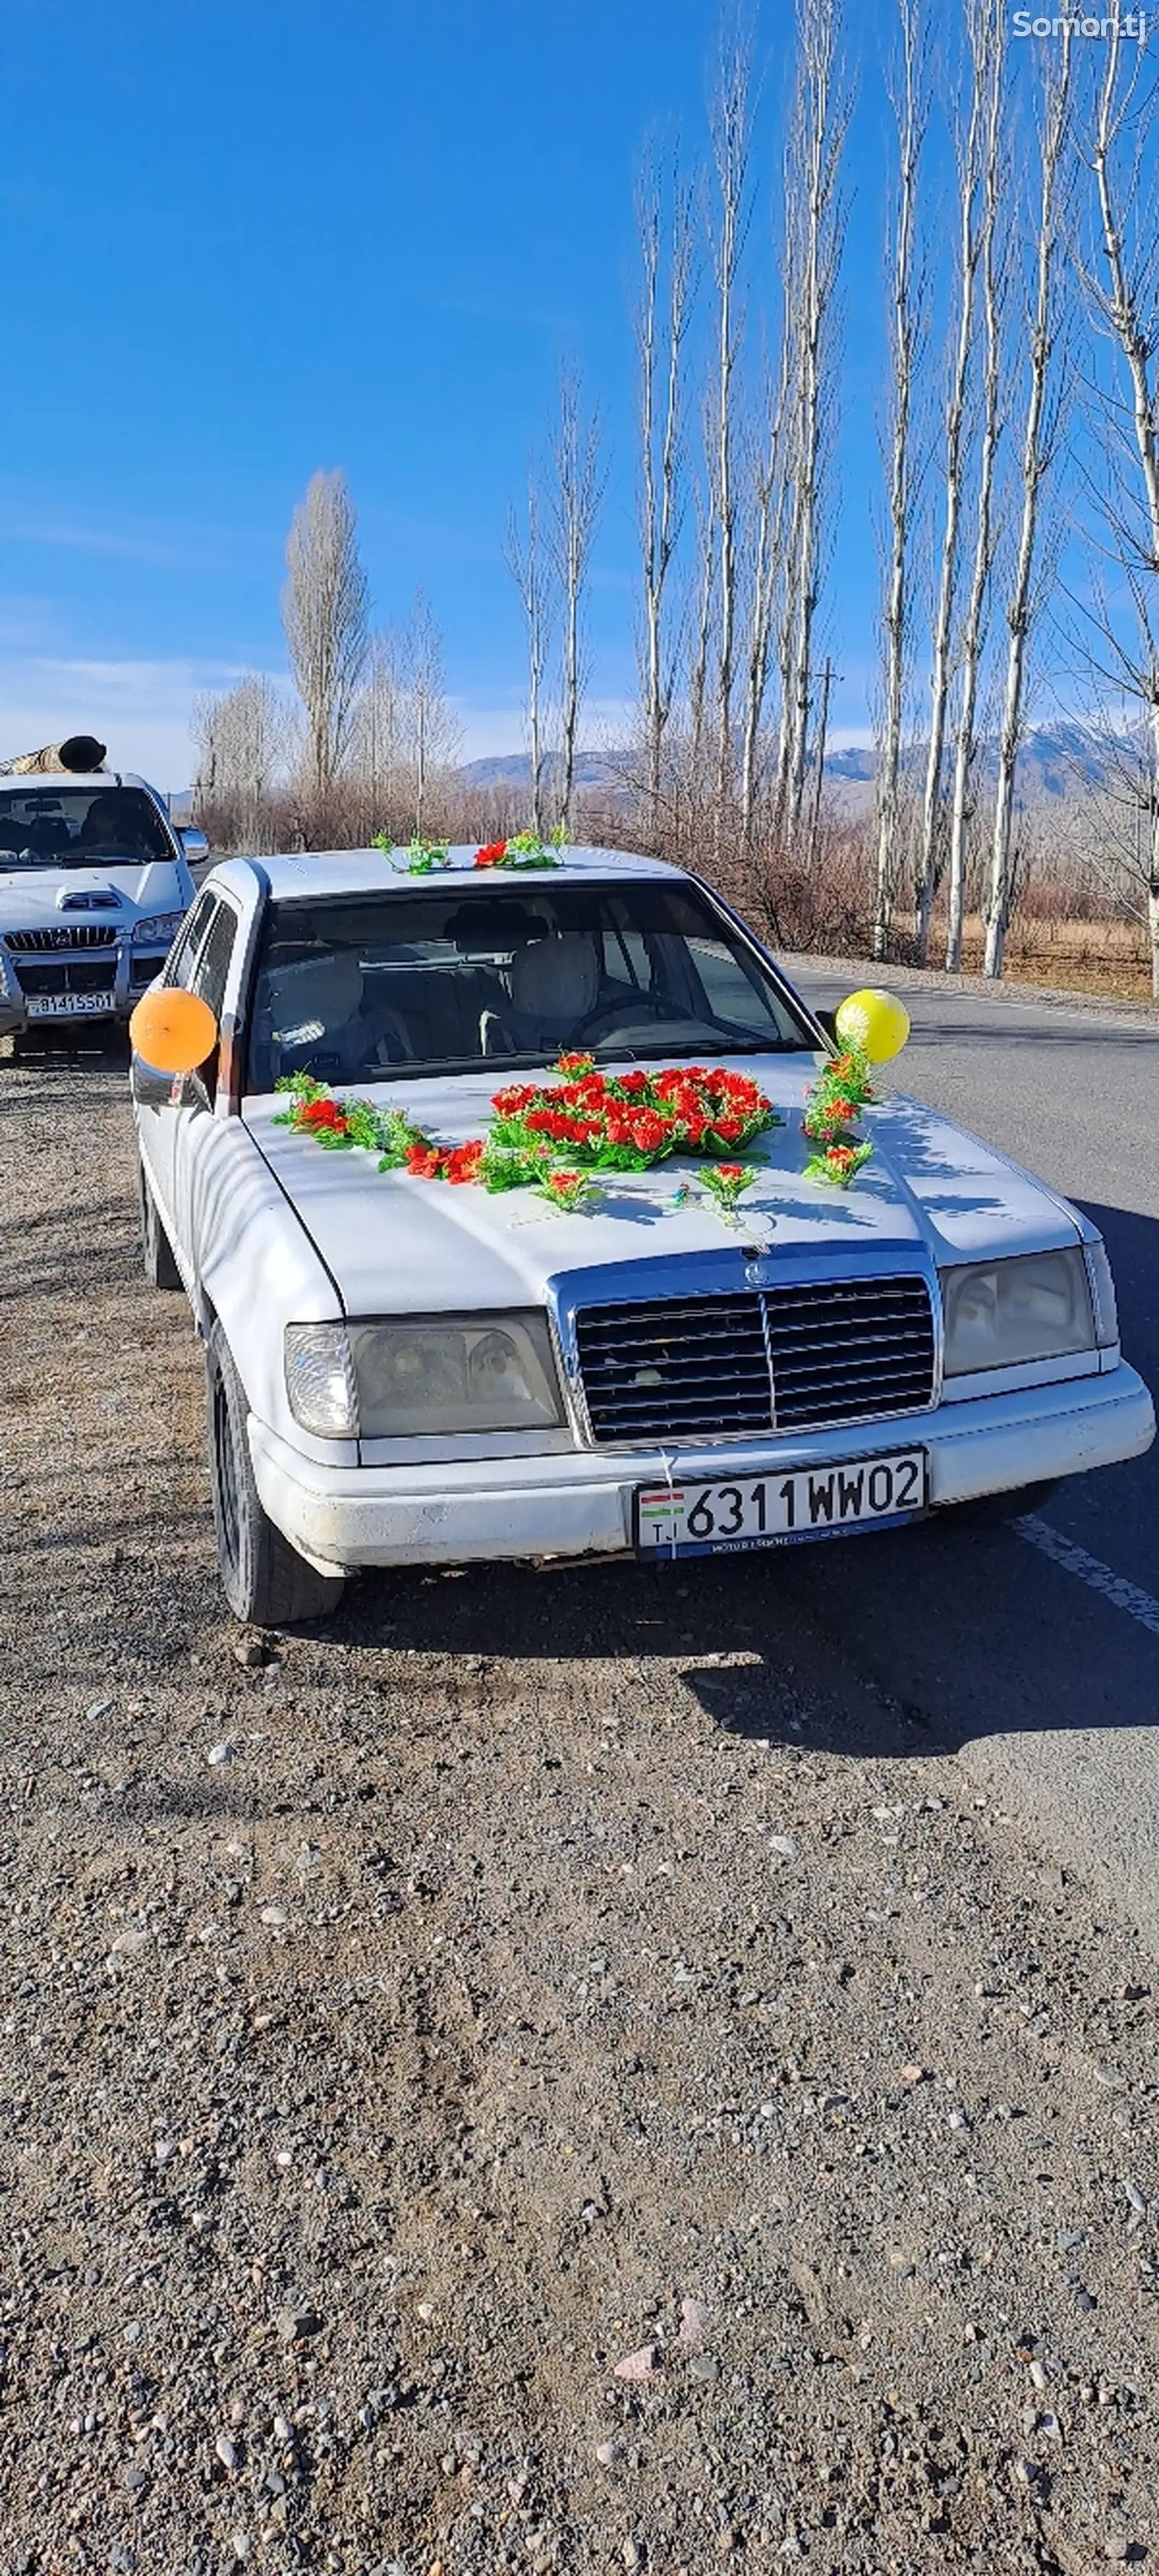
x=555, y=984
x=310, y=1020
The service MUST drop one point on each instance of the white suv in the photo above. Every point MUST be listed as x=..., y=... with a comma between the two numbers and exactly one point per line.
x=94, y=886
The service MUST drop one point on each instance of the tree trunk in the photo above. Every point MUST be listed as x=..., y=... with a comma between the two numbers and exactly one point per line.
x=731, y=148
x=817, y=137
x=969, y=244
x=910, y=110
x=965, y=743
x=1037, y=445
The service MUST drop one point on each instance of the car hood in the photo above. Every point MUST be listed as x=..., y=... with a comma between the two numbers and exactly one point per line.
x=37, y=898
x=393, y=1244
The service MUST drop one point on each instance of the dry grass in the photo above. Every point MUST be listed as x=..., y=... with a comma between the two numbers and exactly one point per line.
x=1108, y=957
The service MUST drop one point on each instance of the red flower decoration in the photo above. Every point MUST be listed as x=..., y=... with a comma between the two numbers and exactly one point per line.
x=321, y=1113
x=491, y=855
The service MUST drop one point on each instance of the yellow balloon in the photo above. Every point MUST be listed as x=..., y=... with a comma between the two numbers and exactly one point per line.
x=874, y=1021
x=172, y=1031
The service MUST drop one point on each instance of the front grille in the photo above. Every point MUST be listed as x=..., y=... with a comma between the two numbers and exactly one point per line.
x=817, y=1353
x=79, y=934
x=69, y=975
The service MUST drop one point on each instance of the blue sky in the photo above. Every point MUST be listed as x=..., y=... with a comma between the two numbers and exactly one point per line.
x=240, y=239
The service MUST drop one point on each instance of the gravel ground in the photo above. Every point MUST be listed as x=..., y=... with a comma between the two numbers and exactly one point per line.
x=548, y=2072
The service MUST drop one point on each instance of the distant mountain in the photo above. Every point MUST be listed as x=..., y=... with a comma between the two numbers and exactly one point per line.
x=1054, y=761
x=513, y=769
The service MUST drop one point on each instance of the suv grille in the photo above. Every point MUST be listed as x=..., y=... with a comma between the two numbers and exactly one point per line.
x=80, y=934
x=68, y=975
x=712, y=1368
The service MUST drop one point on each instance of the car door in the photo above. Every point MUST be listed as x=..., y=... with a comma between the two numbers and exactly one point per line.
x=158, y=1095
x=196, y=1128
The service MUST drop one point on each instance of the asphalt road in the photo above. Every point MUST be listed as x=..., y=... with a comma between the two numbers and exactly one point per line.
x=1043, y=1676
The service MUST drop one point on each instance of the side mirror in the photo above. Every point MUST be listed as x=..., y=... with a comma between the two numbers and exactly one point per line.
x=172, y=1031
x=875, y=1022
x=194, y=843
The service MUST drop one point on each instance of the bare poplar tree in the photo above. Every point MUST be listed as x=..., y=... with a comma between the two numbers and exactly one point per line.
x=768, y=538
x=818, y=127
x=993, y=270
x=379, y=728
x=1041, y=430
x=324, y=613
x=431, y=734
x=731, y=145
x=1125, y=291
x=576, y=498
x=970, y=135
x=242, y=735
x=702, y=620
x=527, y=564
x=663, y=317
x=909, y=89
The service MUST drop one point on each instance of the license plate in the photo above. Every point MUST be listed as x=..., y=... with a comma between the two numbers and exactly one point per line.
x=67, y=1006
x=775, y=1510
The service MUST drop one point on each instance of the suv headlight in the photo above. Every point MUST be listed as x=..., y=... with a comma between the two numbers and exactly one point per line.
x=424, y=1378
x=157, y=930
x=1033, y=1306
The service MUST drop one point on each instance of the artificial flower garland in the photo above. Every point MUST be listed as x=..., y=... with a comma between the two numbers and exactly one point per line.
x=833, y=1105
x=552, y=1137
x=524, y=850
x=601, y=1123
x=428, y=858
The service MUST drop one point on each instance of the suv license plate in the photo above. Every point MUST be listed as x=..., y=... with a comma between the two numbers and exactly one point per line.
x=775, y=1510
x=67, y=1006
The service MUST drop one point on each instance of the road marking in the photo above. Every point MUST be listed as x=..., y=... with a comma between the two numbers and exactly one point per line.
x=1090, y=1570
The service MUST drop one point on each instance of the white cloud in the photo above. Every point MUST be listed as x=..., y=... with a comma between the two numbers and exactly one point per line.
x=141, y=709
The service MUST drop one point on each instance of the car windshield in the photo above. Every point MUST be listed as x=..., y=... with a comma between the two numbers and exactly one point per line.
x=361, y=988
x=79, y=827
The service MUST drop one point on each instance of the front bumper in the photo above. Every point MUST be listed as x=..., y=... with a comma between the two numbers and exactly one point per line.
x=580, y=1504
x=101, y=997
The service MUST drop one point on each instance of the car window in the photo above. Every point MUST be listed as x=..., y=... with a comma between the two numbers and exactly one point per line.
x=364, y=987
x=55, y=827
x=183, y=958
x=212, y=966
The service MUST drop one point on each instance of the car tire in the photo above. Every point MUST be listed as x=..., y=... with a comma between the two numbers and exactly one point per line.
x=157, y=1260
x=265, y=1580
x=992, y=1511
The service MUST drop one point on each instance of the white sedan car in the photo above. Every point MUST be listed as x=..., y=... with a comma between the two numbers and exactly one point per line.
x=665, y=1352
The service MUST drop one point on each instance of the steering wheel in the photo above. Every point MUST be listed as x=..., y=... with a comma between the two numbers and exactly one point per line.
x=607, y=1014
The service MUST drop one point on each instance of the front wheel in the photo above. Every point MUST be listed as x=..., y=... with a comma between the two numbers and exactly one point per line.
x=265, y=1580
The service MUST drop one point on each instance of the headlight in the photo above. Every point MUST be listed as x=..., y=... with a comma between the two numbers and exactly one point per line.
x=1036, y=1306
x=320, y=1381
x=444, y=1373
x=424, y=1378
x=158, y=930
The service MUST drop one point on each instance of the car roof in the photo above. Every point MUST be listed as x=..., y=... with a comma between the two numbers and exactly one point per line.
x=304, y=875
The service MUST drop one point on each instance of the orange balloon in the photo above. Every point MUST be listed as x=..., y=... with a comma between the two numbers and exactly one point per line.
x=172, y=1031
